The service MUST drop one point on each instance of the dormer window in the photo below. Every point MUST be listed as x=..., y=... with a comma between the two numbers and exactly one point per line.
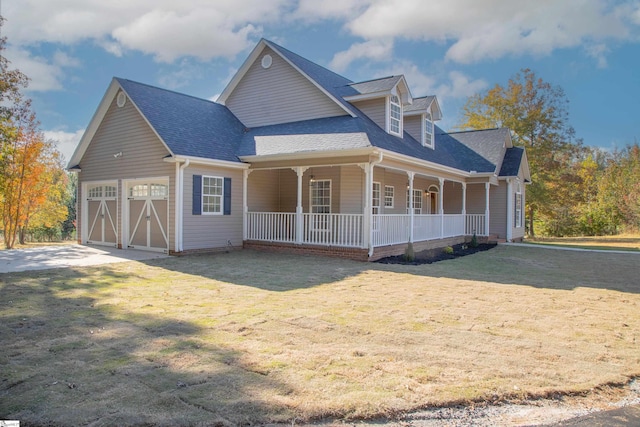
x=428, y=130
x=395, y=115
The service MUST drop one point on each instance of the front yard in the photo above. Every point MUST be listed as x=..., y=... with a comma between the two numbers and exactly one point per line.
x=249, y=337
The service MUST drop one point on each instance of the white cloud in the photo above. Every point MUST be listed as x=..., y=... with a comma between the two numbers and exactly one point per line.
x=496, y=28
x=459, y=86
x=598, y=52
x=378, y=50
x=163, y=28
x=312, y=10
x=66, y=142
x=43, y=75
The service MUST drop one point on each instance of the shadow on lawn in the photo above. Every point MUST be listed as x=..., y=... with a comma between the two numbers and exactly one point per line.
x=538, y=267
x=74, y=360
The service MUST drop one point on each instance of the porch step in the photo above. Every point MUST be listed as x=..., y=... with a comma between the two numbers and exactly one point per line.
x=493, y=238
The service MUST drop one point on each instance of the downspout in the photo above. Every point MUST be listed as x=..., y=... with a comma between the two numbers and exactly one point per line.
x=180, y=206
x=370, y=199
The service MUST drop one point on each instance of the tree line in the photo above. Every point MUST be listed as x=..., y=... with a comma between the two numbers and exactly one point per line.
x=34, y=186
x=575, y=189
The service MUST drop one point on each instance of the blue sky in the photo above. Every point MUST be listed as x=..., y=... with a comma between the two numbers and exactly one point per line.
x=591, y=48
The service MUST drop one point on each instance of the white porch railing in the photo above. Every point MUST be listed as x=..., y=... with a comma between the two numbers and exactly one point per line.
x=271, y=226
x=348, y=229
x=475, y=223
x=318, y=229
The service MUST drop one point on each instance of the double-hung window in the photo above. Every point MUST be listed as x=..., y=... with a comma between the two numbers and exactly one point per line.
x=212, y=191
x=417, y=202
x=375, y=204
x=388, y=196
x=428, y=131
x=321, y=203
x=395, y=115
x=518, y=210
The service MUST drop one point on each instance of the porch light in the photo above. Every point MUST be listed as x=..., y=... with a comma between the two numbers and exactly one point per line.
x=312, y=180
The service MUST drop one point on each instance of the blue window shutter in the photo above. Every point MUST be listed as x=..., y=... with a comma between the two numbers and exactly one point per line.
x=227, y=196
x=197, y=194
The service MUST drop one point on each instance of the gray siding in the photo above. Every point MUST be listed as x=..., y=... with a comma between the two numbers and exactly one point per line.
x=124, y=130
x=498, y=210
x=212, y=231
x=413, y=126
x=375, y=109
x=262, y=191
x=351, y=189
x=278, y=94
x=452, y=197
x=476, y=198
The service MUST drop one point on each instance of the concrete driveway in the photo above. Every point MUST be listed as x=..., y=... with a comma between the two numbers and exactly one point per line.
x=63, y=256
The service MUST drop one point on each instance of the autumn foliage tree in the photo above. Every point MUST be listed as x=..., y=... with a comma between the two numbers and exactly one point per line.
x=31, y=173
x=536, y=113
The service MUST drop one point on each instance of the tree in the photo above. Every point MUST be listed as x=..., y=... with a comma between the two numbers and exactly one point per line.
x=536, y=113
x=30, y=169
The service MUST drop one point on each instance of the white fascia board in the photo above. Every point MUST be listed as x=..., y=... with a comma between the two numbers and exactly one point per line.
x=408, y=98
x=366, y=96
x=524, y=165
x=310, y=155
x=92, y=128
x=435, y=166
x=207, y=162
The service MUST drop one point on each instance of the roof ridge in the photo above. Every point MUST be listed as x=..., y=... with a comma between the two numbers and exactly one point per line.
x=166, y=90
x=373, y=80
x=269, y=42
x=473, y=130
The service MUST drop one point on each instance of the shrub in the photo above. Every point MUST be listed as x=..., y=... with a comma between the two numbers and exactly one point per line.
x=474, y=241
x=448, y=250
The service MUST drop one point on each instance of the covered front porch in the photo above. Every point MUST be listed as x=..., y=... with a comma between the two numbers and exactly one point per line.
x=373, y=207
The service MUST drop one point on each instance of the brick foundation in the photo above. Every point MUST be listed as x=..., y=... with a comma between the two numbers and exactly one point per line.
x=356, y=254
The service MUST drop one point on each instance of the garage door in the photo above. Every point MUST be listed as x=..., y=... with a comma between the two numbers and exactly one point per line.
x=101, y=204
x=148, y=215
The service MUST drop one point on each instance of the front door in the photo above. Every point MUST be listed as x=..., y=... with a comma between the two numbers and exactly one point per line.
x=101, y=204
x=148, y=214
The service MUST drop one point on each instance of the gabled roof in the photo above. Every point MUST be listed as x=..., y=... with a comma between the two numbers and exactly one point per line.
x=382, y=87
x=186, y=125
x=189, y=126
x=512, y=161
x=421, y=105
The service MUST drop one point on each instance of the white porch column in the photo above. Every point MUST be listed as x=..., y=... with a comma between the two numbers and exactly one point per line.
x=299, y=219
x=464, y=206
x=411, y=175
x=486, y=209
x=366, y=210
x=245, y=203
x=441, y=205
x=510, y=209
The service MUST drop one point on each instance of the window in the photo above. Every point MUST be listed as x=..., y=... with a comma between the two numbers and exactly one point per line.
x=109, y=191
x=95, y=192
x=428, y=131
x=321, y=203
x=212, y=188
x=518, y=210
x=375, y=204
x=139, y=190
x=159, y=190
x=417, y=201
x=388, y=196
x=395, y=115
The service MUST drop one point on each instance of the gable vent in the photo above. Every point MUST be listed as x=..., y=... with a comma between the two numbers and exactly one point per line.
x=267, y=60
x=121, y=99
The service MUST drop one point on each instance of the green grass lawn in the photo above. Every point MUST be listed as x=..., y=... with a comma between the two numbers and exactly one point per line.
x=250, y=337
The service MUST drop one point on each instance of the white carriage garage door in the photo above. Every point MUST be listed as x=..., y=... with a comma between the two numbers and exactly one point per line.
x=101, y=207
x=148, y=214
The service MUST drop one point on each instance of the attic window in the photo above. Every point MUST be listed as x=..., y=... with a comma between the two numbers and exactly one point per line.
x=395, y=115
x=428, y=130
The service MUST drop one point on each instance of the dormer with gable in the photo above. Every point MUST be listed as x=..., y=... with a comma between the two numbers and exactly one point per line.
x=420, y=118
x=383, y=101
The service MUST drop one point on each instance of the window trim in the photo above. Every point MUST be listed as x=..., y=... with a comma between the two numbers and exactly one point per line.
x=387, y=197
x=517, y=209
x=317, y=224
x=428, y=142
x=220, y=196
x=416, y=210
x=390, y=104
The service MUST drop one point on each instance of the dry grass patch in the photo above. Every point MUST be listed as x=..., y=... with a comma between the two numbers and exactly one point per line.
x=255, y=337
x=620, y=242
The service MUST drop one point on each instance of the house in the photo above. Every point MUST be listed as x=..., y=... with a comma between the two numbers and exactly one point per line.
x=291, y=157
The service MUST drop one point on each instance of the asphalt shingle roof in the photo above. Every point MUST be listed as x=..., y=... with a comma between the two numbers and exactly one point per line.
x=384, y=84
x=419, y=104
x=189, y=126
x=195, y=127
x=512, y=161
